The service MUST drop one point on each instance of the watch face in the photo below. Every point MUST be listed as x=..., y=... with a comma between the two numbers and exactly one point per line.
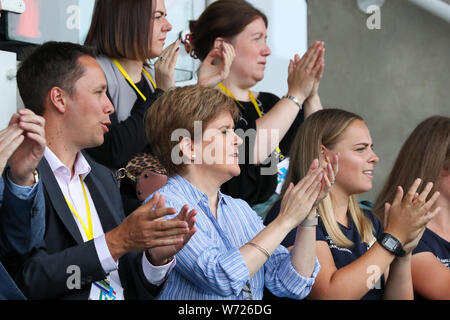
x=390, y=243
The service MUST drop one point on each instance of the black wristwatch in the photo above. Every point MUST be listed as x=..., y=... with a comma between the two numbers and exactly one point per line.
x=391, y=244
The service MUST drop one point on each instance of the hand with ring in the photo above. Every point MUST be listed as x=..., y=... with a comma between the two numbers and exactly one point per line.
x=165, y=66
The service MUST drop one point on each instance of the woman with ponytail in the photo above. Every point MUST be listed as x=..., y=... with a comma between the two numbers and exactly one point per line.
x=360, y=259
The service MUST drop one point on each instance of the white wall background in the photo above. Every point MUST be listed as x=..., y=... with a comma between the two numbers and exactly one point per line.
x=8, y=87
x=394, y=77
x=287, y=35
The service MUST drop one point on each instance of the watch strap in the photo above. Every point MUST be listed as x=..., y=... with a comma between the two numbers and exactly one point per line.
x=397, y=250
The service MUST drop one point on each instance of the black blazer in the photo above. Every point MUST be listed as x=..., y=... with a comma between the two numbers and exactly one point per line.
x=46, y=270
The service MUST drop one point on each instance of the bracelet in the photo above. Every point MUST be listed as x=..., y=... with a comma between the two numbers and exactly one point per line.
x=295, y=100
x=311, y=222
x=260, y=249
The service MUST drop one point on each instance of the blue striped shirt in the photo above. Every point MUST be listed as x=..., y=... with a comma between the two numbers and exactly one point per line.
x=211, y=267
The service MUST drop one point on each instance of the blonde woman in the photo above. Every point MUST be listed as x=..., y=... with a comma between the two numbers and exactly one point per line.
x=359, y=260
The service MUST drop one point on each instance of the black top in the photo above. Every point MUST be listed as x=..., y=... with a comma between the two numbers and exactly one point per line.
x=251, y=185
x=440, y=248
x=431, y=242
x=341, y=256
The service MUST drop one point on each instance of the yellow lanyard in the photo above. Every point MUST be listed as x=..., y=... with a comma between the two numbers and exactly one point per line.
x=127, y=77
x=228, y=92
x=89, y=231
x=255, y=104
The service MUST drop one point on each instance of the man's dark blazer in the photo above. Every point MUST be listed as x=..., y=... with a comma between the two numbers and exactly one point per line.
x=21, y=229
x=46, y=271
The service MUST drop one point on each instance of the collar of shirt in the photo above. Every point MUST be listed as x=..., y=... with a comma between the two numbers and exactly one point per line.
x=192, y=191
x=200, y=199
x=73, y=190
x=81, y=166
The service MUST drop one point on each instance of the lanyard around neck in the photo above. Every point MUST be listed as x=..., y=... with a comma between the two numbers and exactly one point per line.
x=127, y=77
x=255, y=104
x=88, y=230
x=228, y=92
x=250, y=94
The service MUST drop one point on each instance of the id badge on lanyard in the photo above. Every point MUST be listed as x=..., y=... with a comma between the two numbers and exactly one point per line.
x=101, y=290
x=106, y=290
x=282, y=171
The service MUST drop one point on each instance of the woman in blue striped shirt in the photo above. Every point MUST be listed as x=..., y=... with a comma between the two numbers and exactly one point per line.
x=232, y=255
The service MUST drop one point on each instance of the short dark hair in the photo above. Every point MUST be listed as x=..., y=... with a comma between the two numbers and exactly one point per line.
x=53, y=64
x=223, y=18
x=122, y=29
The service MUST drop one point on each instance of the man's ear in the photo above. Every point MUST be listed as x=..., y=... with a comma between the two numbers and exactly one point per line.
x=58, y=98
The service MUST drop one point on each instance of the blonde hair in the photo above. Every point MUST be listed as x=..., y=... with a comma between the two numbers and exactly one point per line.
x=325, y=127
